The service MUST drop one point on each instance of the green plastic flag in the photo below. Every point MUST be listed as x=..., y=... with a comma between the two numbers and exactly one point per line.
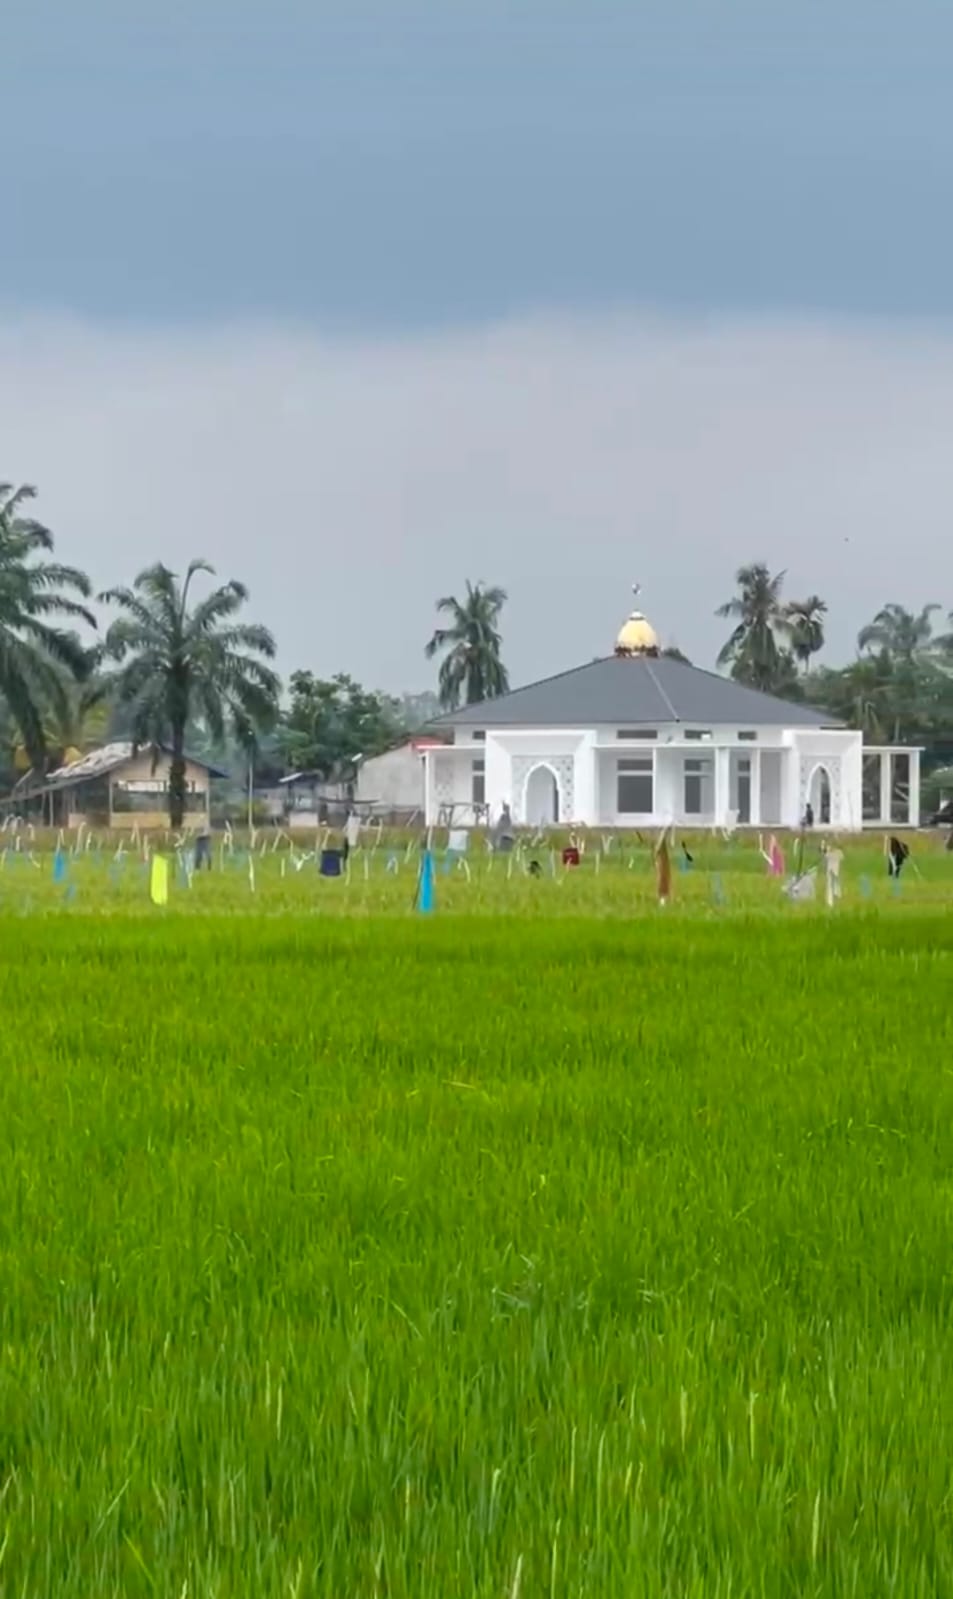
x=159, y=880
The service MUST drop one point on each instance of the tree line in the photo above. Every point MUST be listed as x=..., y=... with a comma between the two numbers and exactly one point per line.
x=179, y=666
x=897, y=689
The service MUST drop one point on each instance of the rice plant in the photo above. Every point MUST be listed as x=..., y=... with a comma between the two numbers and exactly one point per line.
x=540, y=1251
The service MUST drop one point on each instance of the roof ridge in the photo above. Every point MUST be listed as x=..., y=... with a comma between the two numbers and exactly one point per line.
x=665, y=697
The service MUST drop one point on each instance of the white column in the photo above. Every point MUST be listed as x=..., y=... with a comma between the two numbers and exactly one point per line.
x=428, y=782
x=886, y=763
x=914, y=788
x=584, y=782
x=722, y=786
x=754, y=819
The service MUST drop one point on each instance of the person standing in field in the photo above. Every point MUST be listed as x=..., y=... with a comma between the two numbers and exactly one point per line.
x=503, y=832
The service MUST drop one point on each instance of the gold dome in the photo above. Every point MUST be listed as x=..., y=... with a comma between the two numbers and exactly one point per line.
x=637, y=637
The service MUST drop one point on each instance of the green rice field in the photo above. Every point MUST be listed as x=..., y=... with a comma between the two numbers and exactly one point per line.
x=550, y=1244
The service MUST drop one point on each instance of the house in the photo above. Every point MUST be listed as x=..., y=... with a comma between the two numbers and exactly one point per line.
x=389, y=785
x=310, y=799
x=392, y=783
x=118, y=787
x=637, y=739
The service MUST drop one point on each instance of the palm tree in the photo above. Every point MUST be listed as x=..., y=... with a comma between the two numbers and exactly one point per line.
x=859, y=694
x=35, y=653
x=753, y=650
x=472, y=665
x=902, y=641
x=804, y=625
x=898, y=632
x=74, y=723
x=175, y=662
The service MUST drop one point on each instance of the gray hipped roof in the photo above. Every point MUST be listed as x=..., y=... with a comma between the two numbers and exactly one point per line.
x=637, y=692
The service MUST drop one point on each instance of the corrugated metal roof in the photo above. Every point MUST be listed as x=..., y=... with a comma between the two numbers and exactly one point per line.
x=93, y=764
x=637, y=692
x=106, y=759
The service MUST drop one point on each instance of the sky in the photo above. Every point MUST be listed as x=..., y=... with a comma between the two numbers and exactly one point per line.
x=360, y=301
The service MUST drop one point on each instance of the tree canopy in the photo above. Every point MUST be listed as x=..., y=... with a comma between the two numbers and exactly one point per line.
x=471, y=645
x=330, y=722
x=754, y=650
x=177, y=659
x=39, y=657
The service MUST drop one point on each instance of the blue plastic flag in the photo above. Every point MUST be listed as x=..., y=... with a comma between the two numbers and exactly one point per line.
x=865, y=887
x=717, y=891
x=59, y=866
x=425, y=889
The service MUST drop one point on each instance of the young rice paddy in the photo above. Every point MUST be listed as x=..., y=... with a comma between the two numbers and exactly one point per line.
x=552, y=1244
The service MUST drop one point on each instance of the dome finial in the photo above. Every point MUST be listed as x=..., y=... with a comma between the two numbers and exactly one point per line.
x=637, y=637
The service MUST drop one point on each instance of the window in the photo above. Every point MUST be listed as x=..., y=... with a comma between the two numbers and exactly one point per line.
x=637, y=732
x=698, y=732
x=479, y=737
x=132, y=798
x=743, y=805
x=699, y=777
x=748, y=738
x=899, y=788
x=478, y=782
x=870, y=791
x=636, y=788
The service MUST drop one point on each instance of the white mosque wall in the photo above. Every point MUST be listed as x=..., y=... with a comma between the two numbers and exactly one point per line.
x=840, y=755
x=584, y=765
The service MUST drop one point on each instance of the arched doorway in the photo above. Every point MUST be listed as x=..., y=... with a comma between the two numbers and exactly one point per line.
x=819, y=796
x=541, y=805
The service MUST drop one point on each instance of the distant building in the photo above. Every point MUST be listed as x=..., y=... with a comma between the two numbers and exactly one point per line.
x=389, y=786
x=393, y=783
x=116, y=787
x=308, y=799
x=637, y=739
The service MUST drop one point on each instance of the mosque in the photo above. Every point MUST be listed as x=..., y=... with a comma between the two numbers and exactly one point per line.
x=638, y=739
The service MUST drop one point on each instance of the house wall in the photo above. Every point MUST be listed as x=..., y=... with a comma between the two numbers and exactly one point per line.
x=89, y=802
x=451, y=777
x=139, y=769
x=146, y=821
x=395, y=779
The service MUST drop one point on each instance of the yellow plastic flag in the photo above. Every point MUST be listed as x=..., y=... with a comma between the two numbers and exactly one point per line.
x=159, y=880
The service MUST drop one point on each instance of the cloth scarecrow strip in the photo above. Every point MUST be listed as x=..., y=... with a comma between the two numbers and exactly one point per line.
x=663, y=869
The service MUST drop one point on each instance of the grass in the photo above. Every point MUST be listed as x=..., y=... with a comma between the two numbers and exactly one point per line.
x=554, y=1249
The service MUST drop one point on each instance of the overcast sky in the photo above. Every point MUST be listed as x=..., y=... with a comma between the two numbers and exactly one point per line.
x=360, y=301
